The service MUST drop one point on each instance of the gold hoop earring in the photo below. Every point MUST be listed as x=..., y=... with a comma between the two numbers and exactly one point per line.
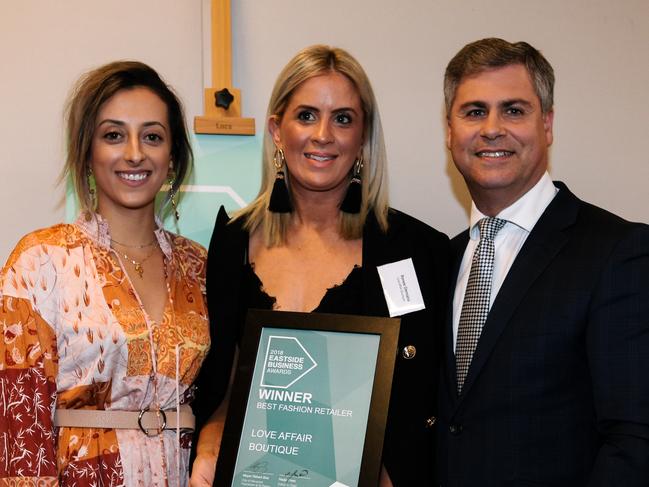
x=280, y=201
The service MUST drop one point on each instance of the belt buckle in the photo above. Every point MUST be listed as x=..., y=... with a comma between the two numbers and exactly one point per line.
x=160, y=429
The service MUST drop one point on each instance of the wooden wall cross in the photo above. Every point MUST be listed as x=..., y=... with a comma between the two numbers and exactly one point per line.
x=222, y=104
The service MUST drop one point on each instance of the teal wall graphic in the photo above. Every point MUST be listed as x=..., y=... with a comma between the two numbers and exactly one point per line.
x=227, y=171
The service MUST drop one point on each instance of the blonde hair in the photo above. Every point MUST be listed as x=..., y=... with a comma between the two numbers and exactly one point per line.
x=308, y=63
x=88, y=96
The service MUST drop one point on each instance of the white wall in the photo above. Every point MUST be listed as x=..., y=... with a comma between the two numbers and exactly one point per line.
x=599, y=49
x=44, y=47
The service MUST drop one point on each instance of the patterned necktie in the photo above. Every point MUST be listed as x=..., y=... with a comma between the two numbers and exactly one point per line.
x=475, y=307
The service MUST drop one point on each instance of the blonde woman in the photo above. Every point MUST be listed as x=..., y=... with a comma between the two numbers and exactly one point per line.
x=312, y=241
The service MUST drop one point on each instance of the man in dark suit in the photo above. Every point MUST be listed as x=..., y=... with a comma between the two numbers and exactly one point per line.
x=546, y=378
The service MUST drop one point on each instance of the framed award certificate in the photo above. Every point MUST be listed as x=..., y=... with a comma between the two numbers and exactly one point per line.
x=309, y=402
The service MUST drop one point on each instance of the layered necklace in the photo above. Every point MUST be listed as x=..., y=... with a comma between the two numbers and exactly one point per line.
x=137, y=265
x=153, y=377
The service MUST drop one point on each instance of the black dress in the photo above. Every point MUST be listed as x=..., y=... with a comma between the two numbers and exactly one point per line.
x=233, y=288
x=345, y=298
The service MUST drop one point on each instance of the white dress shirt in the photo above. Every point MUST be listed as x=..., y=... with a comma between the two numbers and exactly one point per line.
x=521, y=218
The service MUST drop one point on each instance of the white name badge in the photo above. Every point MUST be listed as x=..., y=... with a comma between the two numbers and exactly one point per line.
x=400, y=287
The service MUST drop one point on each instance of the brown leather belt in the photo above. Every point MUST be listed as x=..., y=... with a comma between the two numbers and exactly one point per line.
x=145, y=420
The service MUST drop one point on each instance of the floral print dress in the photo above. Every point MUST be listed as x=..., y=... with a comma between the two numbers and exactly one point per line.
x=75, y=336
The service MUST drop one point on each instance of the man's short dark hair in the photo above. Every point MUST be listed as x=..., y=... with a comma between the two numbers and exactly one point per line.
x=493, y=53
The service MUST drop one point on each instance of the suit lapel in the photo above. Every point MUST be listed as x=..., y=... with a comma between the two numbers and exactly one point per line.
x=376, y=251
x=544, y=242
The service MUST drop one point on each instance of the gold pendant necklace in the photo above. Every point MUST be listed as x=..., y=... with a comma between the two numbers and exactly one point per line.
x=138, y=265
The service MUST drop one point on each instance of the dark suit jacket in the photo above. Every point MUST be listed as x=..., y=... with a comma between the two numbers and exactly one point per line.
x=558, y=390
x=409, y=443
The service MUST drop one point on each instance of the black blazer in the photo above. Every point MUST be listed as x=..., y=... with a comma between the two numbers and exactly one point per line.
x=558, y=390
x=409, y=441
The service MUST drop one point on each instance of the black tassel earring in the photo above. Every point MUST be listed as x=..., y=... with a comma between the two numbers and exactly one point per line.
x=280, y=201
x=354, y=197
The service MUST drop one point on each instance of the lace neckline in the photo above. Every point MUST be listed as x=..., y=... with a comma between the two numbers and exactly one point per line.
x=348, y=281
